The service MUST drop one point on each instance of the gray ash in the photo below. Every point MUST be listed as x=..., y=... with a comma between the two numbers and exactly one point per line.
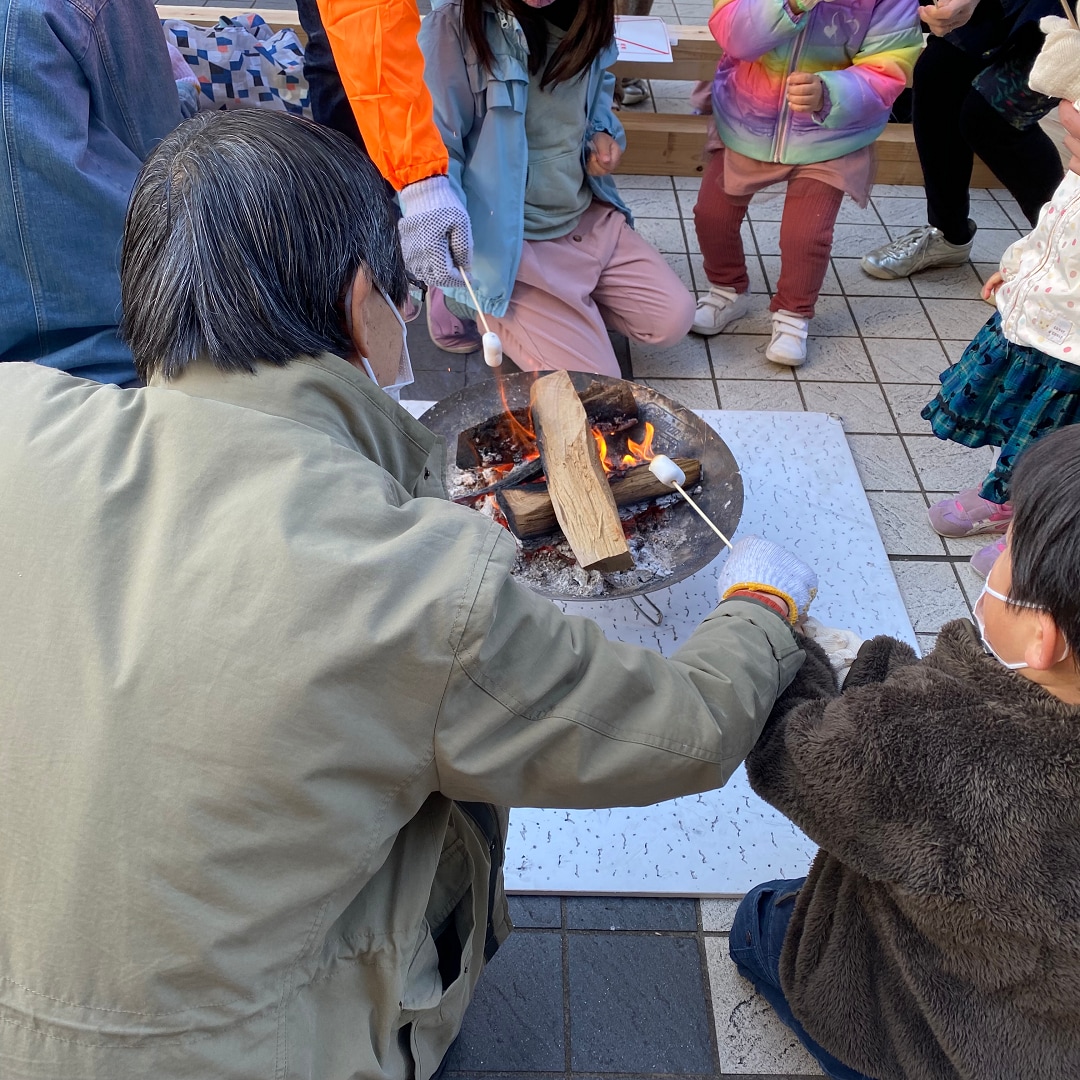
x=653, y=536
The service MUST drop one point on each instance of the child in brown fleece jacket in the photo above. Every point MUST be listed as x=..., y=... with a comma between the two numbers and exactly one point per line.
x=937, y=935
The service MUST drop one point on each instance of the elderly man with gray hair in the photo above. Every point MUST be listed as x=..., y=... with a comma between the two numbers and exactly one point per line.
x=264, y=688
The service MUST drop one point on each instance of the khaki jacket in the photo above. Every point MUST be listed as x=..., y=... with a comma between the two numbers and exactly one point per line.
x=250, y=655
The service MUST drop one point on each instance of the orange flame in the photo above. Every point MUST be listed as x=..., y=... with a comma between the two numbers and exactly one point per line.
x=601, y=445
x=640, y=452
x=525, y=436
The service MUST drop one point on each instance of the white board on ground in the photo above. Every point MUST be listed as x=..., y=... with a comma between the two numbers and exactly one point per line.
x=800, y=489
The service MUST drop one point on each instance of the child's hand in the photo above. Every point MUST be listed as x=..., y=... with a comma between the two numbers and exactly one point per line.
x=993, y=283
x=1070, y=121
x=805, y=92
x=944, y=16
x=604, y=155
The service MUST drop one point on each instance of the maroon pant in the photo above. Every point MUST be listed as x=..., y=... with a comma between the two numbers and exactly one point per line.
x=806, y=233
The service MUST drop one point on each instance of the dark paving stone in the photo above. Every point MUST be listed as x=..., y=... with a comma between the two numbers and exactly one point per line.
x=621, y=344
x=515, y=1021
x=536, y=911
x=433, y=385
x=424, y=354
x=476, y=370
x=630, y=913
x=637, y=1004
x=451, y=1075
x=473, y=1075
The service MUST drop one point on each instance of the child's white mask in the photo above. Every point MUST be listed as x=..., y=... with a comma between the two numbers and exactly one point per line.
x=1014, y=665
x=405, y=374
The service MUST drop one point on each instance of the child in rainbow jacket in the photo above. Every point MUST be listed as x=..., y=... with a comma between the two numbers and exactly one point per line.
x=802, y=91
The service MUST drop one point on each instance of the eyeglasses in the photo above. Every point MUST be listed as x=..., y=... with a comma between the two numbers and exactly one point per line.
x=414, y=299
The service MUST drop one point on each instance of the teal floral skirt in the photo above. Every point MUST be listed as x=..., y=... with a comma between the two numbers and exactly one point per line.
x=1001, y=394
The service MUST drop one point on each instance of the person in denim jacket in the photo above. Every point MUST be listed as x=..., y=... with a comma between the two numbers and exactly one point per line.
x=86, y=92
x=522, y=98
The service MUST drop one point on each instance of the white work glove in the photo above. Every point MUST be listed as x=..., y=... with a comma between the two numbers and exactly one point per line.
x=1056, y=72
x=840, y=646
x=759, y=564
x=435, y=232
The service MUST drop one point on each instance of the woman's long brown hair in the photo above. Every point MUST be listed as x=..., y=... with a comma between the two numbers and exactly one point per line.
x=589, y=33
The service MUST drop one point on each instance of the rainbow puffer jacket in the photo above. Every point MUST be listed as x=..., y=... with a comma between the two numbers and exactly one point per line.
x=863, y=50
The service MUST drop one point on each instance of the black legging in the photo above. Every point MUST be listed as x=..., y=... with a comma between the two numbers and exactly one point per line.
x=953, y=122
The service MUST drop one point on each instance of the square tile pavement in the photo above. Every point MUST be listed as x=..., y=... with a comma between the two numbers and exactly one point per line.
x=623, y=988
x=618, y=988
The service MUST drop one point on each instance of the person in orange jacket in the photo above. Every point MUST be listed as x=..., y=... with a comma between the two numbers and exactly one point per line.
x=374, y=48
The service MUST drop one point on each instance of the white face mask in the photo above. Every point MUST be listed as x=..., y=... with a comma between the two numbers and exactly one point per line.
x=981, y=624
x=405, y=374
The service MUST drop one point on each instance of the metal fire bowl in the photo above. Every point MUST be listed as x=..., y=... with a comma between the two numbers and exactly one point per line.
x=679, y=433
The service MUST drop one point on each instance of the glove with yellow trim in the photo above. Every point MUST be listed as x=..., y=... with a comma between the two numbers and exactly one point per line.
x=762, y=566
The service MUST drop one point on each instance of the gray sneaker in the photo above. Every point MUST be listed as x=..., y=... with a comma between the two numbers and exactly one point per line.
x=920, y=249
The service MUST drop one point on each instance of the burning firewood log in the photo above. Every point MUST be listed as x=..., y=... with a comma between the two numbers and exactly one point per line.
x=611, y=407
x=503, y=439
x=507, y=438
x=529, y=512
x=577, y=485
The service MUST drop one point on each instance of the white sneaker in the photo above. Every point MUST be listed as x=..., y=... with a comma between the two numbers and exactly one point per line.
x=718, y=307
x=788, y=344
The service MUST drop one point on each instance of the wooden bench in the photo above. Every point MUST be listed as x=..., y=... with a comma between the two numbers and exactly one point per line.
x=660, y=144
x=670, y=144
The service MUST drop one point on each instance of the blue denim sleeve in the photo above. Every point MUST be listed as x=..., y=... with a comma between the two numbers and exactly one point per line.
x=90, y=97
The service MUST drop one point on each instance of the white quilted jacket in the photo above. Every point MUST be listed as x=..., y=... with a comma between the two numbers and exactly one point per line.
x=1040, y=299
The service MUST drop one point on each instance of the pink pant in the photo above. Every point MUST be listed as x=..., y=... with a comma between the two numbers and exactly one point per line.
x=569, y=291
x=806, y=233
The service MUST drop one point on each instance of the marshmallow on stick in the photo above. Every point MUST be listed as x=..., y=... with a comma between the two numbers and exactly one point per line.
x=492, y=349
x=667, y=472
x=493, y=352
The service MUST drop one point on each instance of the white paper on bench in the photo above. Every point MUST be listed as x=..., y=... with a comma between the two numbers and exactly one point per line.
x=643, y=38
x=802, y=490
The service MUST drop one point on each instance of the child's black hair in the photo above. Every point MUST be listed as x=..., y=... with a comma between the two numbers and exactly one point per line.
x=1045, y=544
x=590, y=28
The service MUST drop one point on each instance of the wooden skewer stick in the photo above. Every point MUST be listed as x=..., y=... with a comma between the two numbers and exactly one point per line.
x=666, y=471
x=1069, y=14
x=476, y=303
x=493, y=353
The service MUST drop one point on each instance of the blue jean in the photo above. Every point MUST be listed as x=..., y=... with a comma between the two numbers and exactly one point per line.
x=757, y=935
x=86, y=92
